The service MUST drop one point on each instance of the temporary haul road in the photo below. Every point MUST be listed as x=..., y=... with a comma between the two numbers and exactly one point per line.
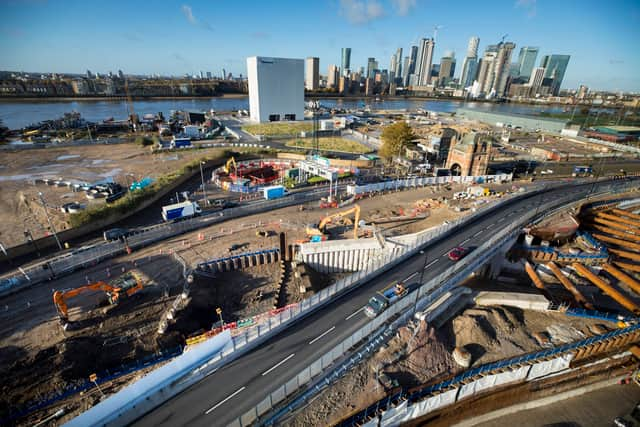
x=237, y=387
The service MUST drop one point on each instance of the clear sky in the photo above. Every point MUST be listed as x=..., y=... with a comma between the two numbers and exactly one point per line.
x=173, y=38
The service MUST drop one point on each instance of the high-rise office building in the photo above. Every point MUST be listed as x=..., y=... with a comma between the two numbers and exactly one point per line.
x=424, y=61
x=554, y=68
x=535, y=81
x=526, y=61
x=312, y=73
x=470, y=64
x=276, y=88
x=501, y=68
x=372, y=66
x=486, y=70
x=447, y=68
x=582, y=92
x=395, y=67
x=409, y=65
x=346, y=61
x=333, y=76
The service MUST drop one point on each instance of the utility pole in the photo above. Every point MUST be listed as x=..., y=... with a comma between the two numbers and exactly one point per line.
x=44, y=205
x=204, y=191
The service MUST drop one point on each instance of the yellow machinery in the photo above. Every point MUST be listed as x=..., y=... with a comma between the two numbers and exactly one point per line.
x=231, y=162
x=320, y=228
x=122, y=287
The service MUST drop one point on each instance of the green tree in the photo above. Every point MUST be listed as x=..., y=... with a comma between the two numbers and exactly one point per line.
x=395, y=137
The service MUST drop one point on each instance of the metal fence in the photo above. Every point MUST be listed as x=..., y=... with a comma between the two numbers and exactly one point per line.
x=423, y=297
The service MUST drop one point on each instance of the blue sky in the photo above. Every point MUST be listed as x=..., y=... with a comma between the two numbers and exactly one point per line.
x=170, y=37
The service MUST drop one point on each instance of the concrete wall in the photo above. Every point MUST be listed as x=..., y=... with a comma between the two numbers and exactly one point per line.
x=332, y=162
x=276, y=86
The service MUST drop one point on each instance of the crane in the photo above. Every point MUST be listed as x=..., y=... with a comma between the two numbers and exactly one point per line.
x=435, y=31
x=132, y=113
x=504, y=37
x=320, y=228
x=123, y=287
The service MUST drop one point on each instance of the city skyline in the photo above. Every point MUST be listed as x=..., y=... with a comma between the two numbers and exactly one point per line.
x=56, y=37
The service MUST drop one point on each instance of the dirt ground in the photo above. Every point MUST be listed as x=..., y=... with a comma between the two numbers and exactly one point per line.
x=20, y=206
x=40, y=358
x=418, y=354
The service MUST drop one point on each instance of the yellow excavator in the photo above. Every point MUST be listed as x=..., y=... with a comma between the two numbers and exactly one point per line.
x=120, y=288
x=231, y=162
x=319, y=230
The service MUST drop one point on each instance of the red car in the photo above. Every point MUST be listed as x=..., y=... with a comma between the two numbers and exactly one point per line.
x=456, y=254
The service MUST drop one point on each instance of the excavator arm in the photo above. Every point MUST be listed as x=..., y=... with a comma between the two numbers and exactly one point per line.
x=60, y=297
x=354, y=210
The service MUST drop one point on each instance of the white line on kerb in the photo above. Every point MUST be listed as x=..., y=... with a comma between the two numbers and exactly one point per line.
x=478, y=233
x=325, y=333
x=278, y=364
x=354, y=313
x=410, y=276
x=431, y=263
x=463, y=242
x=214, y=407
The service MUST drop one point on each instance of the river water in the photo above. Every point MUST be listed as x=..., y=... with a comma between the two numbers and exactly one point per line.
x=18, y=114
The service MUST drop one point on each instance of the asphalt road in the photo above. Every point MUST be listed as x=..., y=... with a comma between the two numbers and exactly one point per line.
x=237, y=387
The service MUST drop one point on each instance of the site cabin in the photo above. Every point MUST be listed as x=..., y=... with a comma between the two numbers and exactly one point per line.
x=384, y=298
x=274, y=192
x=179, y=211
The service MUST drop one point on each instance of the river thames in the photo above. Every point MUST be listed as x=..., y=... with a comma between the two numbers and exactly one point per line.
x=18, y=114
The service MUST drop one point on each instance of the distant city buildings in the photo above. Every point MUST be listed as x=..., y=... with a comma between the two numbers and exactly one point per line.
x=345, y=66
x=333, y=76
x=276, y=88
x=526, y=61
x=554, y=68
x=312, y=73
x=424, y=62
x=447, y=68
x=470, y=64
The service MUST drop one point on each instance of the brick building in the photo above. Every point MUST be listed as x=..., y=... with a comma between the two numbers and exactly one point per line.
x=470, y=156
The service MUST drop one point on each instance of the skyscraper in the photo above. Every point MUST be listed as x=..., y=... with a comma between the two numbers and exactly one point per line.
x=333, y=76
x=424, y=61
x=312, y=73
x=526, y=61
x=535, y=81
x=470, y=64
x=409, y=65
x=501, y=68
x=554, y=67
x=346, y=61
x=486, y=69
x=372, y=66
x=447, y=68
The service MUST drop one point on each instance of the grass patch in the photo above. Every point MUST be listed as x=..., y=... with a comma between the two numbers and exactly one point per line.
x=278, y=128
x=332, y=144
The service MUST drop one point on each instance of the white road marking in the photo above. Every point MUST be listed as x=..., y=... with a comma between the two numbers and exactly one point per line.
x=410, y=276
x=214, y=407
x=354, y=313
x=464, y=241
x=278, y=364
x=490, y=225
x=431, y=263
x=317, y=338
x=211, y=373
x=446, y=254
x=478, y=233
x=502, y=219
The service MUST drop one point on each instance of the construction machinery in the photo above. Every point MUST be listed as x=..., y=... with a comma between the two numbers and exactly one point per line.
x=319, y=230
x=231, y=162
x=121, y=288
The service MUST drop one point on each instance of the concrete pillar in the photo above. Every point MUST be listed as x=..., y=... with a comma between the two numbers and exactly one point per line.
x=283, y=244
x=228, y=265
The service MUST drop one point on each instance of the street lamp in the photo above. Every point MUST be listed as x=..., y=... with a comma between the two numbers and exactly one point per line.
x=44, y=205
x=219, y=313
x=204, y=191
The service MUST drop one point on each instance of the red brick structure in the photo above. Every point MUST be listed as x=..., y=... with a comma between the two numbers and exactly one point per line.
x=469, y=154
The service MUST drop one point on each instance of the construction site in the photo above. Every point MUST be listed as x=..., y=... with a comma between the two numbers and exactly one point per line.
x=570, y=277
x=111, y=317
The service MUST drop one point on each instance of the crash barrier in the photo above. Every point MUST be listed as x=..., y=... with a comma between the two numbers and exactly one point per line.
x=239, y=261
x=91, y=256
x=151, y=390
x=102, y=378
x=423, y=297
x=406, y=405
x=424, y=181
x=251, y=332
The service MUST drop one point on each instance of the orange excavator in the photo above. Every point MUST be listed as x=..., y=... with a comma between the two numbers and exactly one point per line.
x=120, y=288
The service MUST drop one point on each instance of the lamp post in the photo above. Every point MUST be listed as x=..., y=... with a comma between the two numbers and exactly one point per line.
x=204, y=191
x=53, y=229
x=219, y=313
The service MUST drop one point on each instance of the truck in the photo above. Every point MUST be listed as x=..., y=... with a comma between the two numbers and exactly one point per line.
x=384, y=298
x=274, y=192
x=582, y=171
x=179, y=211
x=180, y=142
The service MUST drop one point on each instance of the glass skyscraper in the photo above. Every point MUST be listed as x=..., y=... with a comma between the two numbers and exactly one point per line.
x=554, y=67
x=526, y=61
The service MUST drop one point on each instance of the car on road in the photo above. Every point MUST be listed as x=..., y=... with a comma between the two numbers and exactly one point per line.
x=457, y=253
x=115, y=234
